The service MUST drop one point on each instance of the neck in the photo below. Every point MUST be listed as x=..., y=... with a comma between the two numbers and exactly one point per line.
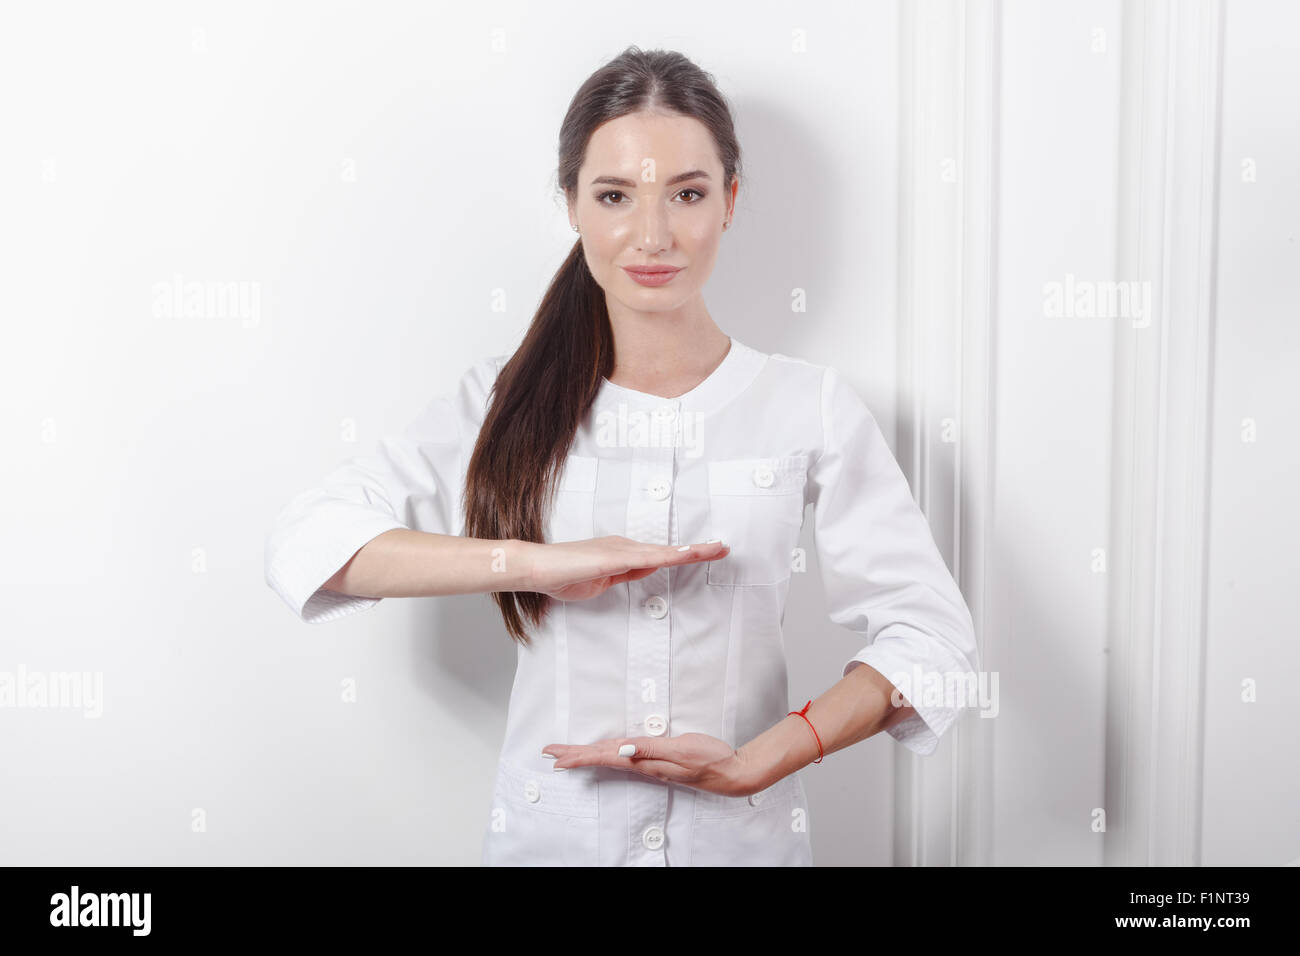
x=666, y=353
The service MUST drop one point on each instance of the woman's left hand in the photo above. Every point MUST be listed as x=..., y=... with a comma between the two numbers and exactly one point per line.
x=692, y=760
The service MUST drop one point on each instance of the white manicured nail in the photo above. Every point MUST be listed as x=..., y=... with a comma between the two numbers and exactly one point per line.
x=685, y=547
x=627, y=750
x=545, y=754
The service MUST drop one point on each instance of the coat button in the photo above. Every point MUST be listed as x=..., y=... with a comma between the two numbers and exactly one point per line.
x=532, y=792
x=665, y=413
x=659, y=489
x=656, y=607
x=755, y=799
x=763, y=476
x=653, y=838
x=655, y=725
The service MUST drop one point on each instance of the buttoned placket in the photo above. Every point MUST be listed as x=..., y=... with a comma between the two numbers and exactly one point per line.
x=649, y=658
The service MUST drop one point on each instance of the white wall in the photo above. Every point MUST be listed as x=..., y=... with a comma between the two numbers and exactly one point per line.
x=1133, y=559
x=1252, y=776
x=1057, y=155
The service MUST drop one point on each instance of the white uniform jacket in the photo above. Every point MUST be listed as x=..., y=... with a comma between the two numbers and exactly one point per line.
x=692, y=648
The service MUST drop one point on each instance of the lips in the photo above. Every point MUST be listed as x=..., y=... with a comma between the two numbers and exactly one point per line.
x=651, y=276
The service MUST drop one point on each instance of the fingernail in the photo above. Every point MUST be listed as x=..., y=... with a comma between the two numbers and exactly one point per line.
x=685, y=547
x=627, y=750
x=545, y=754
x=559, y=769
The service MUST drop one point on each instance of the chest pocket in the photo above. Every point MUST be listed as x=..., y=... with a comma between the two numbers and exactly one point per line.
x=756, y=506
x=573, y=516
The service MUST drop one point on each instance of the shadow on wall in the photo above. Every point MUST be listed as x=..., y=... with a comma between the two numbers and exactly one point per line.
x=462, y=657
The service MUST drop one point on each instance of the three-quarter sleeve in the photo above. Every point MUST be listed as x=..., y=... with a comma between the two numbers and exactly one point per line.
x=882, y=574
x=411, y=480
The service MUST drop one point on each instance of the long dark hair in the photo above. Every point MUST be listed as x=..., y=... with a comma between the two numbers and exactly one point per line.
x=545, y=389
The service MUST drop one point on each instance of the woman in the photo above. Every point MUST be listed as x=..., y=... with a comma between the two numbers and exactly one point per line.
x=649, y=722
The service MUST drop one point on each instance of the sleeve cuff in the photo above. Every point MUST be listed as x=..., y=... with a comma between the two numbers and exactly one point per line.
x=935, y=713
x=298, y=580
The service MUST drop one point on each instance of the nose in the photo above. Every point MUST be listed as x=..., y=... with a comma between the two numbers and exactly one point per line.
x=653, y=227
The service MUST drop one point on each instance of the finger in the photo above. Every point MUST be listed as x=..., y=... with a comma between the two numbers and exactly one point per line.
x=667, y=555
x=653, y=757
x=605, y=753
x=648, y=758
x=568, y=756
x=655, y=752
x=640, y=748
x=708, y=551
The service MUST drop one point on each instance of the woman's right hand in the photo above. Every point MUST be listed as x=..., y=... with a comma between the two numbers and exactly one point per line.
x=578, y=570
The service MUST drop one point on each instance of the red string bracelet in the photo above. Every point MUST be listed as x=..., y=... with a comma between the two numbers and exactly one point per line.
x=804, y=714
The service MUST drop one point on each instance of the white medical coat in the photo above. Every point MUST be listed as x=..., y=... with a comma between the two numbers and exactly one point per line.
x=696, y=647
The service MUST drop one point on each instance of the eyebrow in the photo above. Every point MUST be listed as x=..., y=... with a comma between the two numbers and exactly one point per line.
x=679, y=178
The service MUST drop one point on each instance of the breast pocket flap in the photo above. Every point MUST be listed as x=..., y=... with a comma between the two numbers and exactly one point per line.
x=758, y=476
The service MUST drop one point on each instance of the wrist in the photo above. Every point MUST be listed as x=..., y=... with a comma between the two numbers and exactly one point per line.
x=520, y=558
x=778, y=752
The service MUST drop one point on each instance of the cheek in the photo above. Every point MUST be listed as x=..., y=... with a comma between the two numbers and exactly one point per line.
x=605, y=244
x=703, y=235
x=703, y=247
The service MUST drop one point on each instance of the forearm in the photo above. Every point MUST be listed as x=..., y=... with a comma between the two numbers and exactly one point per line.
x=405, y=563
x=855, y=708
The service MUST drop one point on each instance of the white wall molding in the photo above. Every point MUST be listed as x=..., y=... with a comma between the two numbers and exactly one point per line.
x=947, y=176
x=1168, y=201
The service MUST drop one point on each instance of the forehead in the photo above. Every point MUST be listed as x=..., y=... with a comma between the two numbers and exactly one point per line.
x=673, y=142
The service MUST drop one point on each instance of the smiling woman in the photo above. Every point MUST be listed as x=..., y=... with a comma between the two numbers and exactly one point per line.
x=649, y=720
